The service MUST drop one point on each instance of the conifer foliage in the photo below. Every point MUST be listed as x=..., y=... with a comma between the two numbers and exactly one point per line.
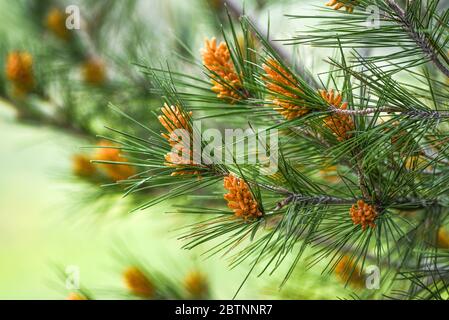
x=377, y=120
x=362, y=150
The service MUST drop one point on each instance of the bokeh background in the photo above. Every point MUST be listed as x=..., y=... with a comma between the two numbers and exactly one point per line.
x=45, y=223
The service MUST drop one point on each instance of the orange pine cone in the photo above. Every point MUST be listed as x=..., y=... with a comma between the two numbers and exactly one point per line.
x=225, y=80
x=94, y=72
x=56, y=23
x=76, y=296
x=82, y=166
x=363, y=214
x=115, y=172
x=138, y=283
x=19, y=70
x=443, y=239
x=347, y=272
x=277, y=80
x=196, y=285
x=416, y=162
x=340, y=124
x=337, y=5
x=173, y=118
x=240, y=198
x=330, y=174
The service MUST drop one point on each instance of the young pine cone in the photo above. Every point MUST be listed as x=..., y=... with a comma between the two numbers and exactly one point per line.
x=240, y=199
x=363, y=214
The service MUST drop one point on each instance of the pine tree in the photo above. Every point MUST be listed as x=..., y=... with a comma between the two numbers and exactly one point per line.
x=376, y=122
x=362, y=162
x=64, y=78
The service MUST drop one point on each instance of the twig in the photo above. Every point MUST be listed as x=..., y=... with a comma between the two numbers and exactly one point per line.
x=434, y=114
x=362, y=112
x=325, y=199
x=312, y=200
x=420, y=39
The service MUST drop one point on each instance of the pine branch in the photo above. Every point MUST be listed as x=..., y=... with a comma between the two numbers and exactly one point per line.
x=424, y=114
x=420, y=39
x=311, y=200
x=58, y=122
x=330, y=200
x=385, y=157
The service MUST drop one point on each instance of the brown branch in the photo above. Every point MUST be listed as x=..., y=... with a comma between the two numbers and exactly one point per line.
x=361, y=112
x=413, y=113
x=312, y=200
x=330, y=200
